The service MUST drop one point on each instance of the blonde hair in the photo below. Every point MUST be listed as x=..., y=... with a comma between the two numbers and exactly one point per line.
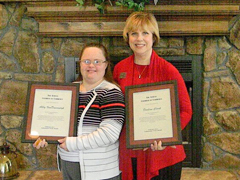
x=144, y=21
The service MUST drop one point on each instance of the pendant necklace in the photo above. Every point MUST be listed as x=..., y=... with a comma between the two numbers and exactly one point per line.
x=140, y=74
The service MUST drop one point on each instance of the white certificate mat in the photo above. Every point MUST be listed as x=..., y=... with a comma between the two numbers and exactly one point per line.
x=152, y=114
x=51, y=111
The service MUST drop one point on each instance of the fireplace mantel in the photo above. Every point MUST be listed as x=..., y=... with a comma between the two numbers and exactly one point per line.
x=65, y=19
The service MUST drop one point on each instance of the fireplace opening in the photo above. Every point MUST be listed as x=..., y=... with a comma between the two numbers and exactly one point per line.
x=190, y=68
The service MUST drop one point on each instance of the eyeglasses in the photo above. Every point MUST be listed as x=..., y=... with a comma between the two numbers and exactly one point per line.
x=94, y=62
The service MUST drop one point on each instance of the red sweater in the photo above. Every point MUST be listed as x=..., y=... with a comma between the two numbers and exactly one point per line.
x=149, y=162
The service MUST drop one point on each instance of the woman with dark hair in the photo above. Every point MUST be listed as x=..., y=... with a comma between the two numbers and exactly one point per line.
x=94, y=154
x=156, y=163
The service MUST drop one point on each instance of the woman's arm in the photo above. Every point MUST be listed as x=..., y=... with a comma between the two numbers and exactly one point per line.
x=112, y=115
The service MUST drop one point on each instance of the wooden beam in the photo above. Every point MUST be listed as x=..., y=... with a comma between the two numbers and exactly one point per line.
x=171, y=28
x=195, y=9
x=174, y=20
x=189, y=28
x=170, y=10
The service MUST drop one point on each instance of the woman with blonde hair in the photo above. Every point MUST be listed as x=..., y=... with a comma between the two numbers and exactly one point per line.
x=145, y=66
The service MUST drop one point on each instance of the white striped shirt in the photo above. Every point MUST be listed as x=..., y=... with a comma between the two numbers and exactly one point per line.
x=96, y=147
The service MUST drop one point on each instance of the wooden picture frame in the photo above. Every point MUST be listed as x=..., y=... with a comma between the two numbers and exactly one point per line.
x=51, y=111
x=152, y=114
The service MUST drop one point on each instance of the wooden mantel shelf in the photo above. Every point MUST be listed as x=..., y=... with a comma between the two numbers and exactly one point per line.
x=65, y=19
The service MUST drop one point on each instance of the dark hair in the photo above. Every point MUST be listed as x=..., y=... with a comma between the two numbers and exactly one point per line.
x=108, y=71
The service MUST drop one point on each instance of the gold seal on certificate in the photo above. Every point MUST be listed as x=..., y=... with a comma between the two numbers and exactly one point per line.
x=152, y=113
x=51, y=111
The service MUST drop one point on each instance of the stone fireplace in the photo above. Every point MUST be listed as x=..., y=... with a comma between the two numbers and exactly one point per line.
x=30, y=52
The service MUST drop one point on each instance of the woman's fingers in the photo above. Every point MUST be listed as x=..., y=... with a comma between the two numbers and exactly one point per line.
x=40, y=143
x=160, y=147
x=157, y=146
x=36, y=143
x=154, y=146
x=44, y=143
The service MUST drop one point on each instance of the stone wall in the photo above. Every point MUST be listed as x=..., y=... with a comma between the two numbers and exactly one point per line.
x=25, y=56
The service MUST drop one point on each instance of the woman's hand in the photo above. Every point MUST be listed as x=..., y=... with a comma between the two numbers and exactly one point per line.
x=63, y=144
x=155, y=147
x=40, y=143
x=158, y=146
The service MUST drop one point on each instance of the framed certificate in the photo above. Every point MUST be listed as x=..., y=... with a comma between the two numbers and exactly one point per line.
x=51, y=111
x=152, y=114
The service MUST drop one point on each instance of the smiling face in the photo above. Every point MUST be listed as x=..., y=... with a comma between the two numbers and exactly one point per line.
x=93, y=73
x=141, y=42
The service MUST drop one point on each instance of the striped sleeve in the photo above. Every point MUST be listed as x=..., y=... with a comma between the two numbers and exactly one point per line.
x=112, y=114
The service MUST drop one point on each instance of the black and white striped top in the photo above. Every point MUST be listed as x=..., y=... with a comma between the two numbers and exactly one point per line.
x=109, y=104
x=96, y=146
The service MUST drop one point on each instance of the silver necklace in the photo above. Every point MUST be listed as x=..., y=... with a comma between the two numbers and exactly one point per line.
x=140, y=74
